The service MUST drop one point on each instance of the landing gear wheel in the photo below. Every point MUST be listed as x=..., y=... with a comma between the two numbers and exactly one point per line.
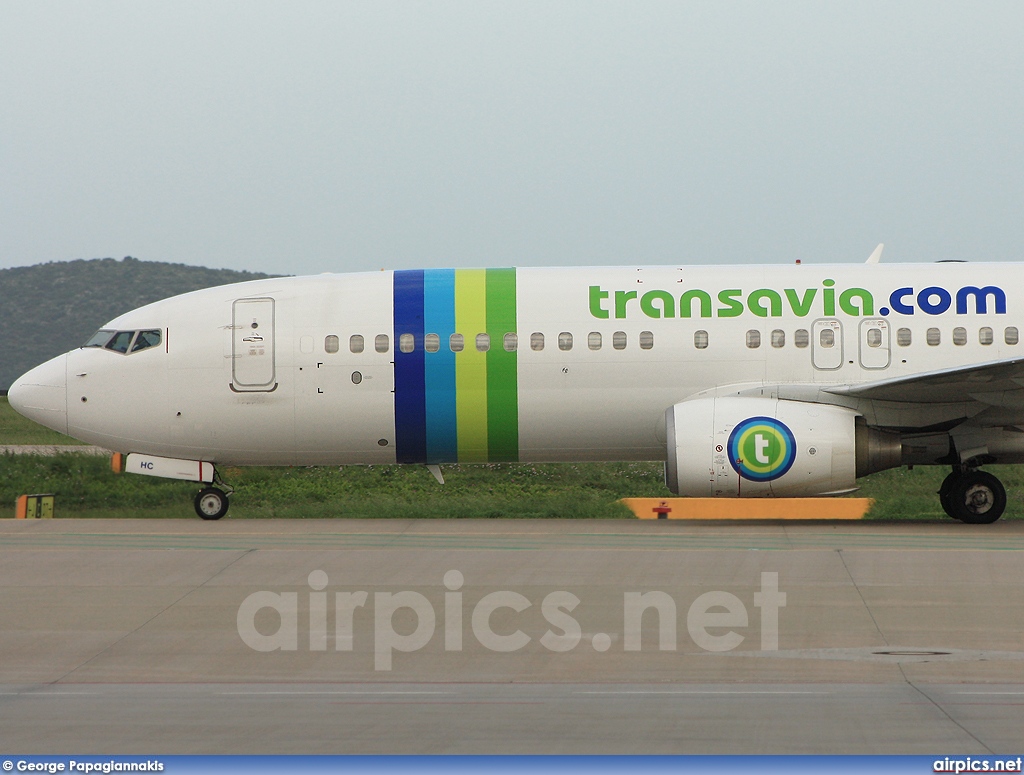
x=211, y=503
x=945, y=489
x=977, y=498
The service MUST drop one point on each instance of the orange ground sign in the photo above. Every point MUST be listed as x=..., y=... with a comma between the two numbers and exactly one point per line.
x=749, y=508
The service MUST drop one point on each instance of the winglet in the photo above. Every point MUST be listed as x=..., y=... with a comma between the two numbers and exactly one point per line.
x=875, y=257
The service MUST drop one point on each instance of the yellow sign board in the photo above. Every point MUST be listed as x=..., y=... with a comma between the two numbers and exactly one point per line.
x=34, y=507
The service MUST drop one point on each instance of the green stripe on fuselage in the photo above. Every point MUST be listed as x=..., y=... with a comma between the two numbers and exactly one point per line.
x=502, y=383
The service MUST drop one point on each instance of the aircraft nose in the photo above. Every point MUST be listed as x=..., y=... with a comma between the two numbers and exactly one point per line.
x=41, y=394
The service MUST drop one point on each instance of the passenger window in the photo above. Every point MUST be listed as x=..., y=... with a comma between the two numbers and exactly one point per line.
x=456, y=343
x=355, y=343
x=431, y=343
x=778, y=338
x=646, y=340
x=537, y=341
x=406, y=343
x=565, y=341
x=985, y=335
x=145, y=340
x=511, y=342
x=594, y=340
x=331, y=344
x=381, y=343
x=100, y=338
x=801, y=337
x=903, y=337
x=483, y=342
x=959, y=336
x=1011, y=335
x=933, y=337
x=121, y=341
x=874, y=337
x=619, y=340
x=700, y=340
x=827, y=338
x=753, y=339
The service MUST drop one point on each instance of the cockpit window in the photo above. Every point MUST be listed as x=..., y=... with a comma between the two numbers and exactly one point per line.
x=121, y=341
x=100, y=338
x=146, y=339
x=125, y=341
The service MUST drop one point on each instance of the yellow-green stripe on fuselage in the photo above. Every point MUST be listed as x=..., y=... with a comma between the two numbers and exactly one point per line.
x=471, y=365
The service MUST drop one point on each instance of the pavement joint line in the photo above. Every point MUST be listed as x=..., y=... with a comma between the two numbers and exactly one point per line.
x=151, y=619
x=991, y=694
x=371, y=694
x=708, y=692
x=245, y=553
x=43, y=694
x=863, y=602
x=441, y=534
x=938, y=706
x=304, y=543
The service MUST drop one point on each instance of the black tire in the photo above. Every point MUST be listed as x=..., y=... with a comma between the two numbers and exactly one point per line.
x=977, y=498
x=211, y=503
x=945, y=489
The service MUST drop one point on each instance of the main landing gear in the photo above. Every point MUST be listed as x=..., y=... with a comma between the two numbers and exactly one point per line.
x=971, y=496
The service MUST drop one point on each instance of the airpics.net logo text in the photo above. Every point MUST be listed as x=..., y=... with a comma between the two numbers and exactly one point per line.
x=712, y=620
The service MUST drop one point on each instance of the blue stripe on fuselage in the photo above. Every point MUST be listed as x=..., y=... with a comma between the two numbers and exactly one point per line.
x=439, y=318
x=410, y=393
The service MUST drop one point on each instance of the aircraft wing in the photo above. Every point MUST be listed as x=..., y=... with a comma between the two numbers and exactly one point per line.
x=976, y=382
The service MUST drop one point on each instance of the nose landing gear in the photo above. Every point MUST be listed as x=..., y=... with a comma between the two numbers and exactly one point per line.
x=212, y=502
x=974, y=497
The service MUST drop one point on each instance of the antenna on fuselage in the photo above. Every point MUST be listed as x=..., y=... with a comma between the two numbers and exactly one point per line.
x=875, y=257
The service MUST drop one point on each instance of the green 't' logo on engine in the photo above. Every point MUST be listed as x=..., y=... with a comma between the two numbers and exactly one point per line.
x=761, y=449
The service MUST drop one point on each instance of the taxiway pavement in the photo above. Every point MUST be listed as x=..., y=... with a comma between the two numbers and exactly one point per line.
x=134, y=636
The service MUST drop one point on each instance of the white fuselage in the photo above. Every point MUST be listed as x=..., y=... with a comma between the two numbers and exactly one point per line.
x=299, y=390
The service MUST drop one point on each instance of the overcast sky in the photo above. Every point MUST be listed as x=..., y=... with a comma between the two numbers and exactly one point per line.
x=305, y=137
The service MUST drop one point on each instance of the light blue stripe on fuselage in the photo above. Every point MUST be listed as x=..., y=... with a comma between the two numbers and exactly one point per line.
x=439, y=318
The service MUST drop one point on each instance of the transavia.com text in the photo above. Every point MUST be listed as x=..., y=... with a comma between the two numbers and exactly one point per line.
x=719, y=611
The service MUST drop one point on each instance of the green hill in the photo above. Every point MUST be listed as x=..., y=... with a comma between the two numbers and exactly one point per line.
x=48, y=309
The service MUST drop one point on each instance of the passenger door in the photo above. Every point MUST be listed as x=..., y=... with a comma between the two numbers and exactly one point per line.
x=827, y=344
x=874, y=343
x=252, y=347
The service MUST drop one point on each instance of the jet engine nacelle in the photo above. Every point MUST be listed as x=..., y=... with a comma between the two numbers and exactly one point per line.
x=763, y=447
